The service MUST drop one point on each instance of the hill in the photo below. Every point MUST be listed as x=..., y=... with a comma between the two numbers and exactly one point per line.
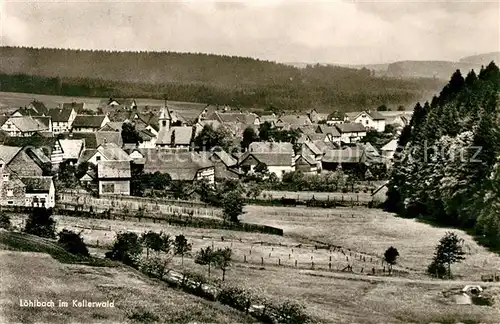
x=428, y=69
x=204, y=78
x=483, y=59
x=37, y=276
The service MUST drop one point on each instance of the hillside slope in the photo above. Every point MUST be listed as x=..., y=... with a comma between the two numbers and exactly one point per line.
x=237, y=81
x=32, y=275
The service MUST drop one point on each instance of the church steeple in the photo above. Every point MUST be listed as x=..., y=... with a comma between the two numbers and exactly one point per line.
x=165, y=119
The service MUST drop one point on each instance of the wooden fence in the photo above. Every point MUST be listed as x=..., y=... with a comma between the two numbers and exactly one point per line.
x=130, y=205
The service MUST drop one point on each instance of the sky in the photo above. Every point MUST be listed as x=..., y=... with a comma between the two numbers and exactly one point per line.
x=344, y=32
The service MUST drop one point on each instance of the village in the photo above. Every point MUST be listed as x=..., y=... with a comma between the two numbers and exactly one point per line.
x=37, y=139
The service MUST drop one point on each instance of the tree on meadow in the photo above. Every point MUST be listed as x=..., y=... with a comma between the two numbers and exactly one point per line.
x=390, y=257
x=449, y=251
x=181, y=246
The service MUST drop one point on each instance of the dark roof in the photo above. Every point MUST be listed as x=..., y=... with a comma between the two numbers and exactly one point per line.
x=78, y=106
x=27, y=112
x=314, y=149
x=3, y=119
x=236, y=117
x=44, y=120
x=94, y=139
x=305, y=159
x=88, y=121
x=37, y=184
x=376, y=115
x=350, y=128
x=60, y=115
x=346, y=155
x=227, y=159
x=113, y=169
x=40, y=142
x=39, y=106
x=179, y=165
x=7, y=153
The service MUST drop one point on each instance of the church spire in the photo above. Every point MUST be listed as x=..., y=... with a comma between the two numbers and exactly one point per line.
x=165, y=118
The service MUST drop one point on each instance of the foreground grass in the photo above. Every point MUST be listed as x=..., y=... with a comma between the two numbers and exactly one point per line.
x=33, y=275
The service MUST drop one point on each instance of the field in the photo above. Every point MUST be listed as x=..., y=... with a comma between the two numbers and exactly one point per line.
x=10, y=101
x=28, y=275
x=331, y=296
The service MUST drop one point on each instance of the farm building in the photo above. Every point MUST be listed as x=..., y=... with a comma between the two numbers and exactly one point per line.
x=114, y=177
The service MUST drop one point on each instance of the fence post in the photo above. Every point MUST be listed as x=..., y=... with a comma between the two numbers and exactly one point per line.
x=329, y=266
x=295, y=263
x=244, y=258
x=279, y=262
x=262, y=260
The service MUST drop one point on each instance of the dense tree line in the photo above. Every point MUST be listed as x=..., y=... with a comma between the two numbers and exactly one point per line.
x=212, y=79
x=446, y=168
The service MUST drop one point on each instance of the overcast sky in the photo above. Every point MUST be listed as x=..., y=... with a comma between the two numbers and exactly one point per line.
x=348, y=32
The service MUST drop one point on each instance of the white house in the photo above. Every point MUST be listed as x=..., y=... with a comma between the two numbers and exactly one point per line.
x=89, y=123
x=277, y=163
x=39, y=191
x=105, y=152
x=62, y=119
x=24, y=126
x=369, y=119
x=389, y=149
x=351, y=132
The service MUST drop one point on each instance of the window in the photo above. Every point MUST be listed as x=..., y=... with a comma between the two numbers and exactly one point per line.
x=164, y=122
x=10, y=192
x=10, y=202
x=98, y=158
x=5, y=177
x=367, y=122
x=1, y=165
x=108, y=188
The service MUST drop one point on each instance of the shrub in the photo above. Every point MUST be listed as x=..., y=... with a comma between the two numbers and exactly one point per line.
x=291, y=313
x=72, y=242
x=5, y=221
x=155, y=266
x=41, y=223
x=126, y=249
x=235, y=297
x=437, y=269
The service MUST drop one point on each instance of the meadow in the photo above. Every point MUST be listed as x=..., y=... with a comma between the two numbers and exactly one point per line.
x=330, y=296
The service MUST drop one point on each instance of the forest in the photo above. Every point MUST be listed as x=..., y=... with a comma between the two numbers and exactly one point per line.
x=204, y=78
x=446, y=168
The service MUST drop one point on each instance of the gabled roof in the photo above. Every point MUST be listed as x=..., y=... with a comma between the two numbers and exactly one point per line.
x=308, y=129
x=38, y=184
x=113, y=169
x=177, y=135
x=86, y=155
x=271, y=147
x=72, y=148
x=375, y=115
x=88, y=121
x=316, y=150
x=24, y=111
x=236, y=117
x=269, y=159
x=324, y=146
x=60, y=115
x=111, y=151
x=3, y=119
x=305, y=159
x=39, y=107
x=7, y=153
x=225, y=157
x=45, y=120
x=78, y=106
x=179, y=165
x=94, y=139
x=295, y=120
x=350, y=128
x=391, y=146
x=28, y=124
x=323, y=129
x=345, y=155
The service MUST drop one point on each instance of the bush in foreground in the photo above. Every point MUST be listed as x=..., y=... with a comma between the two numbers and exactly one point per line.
x=41, y=223
x=5, y=221
x=126, y=248
x=72, y=242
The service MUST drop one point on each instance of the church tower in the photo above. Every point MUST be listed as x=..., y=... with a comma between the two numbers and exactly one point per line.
x=165, y=119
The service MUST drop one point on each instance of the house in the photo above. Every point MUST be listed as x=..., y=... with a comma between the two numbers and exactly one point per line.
x=306, y=164
x=39, y=191
x=278, y=160
x=72, y=148
x=175, y=137
x=113, y=177
x=62, y=119
x=331, y=133
x=271, y=147
x=89, y=123
x=348, y=158
x=248, y=119
x=351, y=132
x=334, y=118
x=317, y=117
x=105, y=152
x=181, y=166
x=39, y=107
x=389, y=149
x=24, y=126
x=49, y=147
x=309, y=149
x=121, y=102
x=79, y=107
x=293, y=121
x=93, y=140
x=226, y=166
x=399, y=119
x=369, y=119
x=22, y=161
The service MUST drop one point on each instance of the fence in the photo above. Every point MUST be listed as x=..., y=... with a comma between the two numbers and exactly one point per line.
x=134, y=204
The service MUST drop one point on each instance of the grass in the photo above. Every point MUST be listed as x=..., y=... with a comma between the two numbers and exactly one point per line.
x=372, y=231
x=38, y=276
x=331, y=297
